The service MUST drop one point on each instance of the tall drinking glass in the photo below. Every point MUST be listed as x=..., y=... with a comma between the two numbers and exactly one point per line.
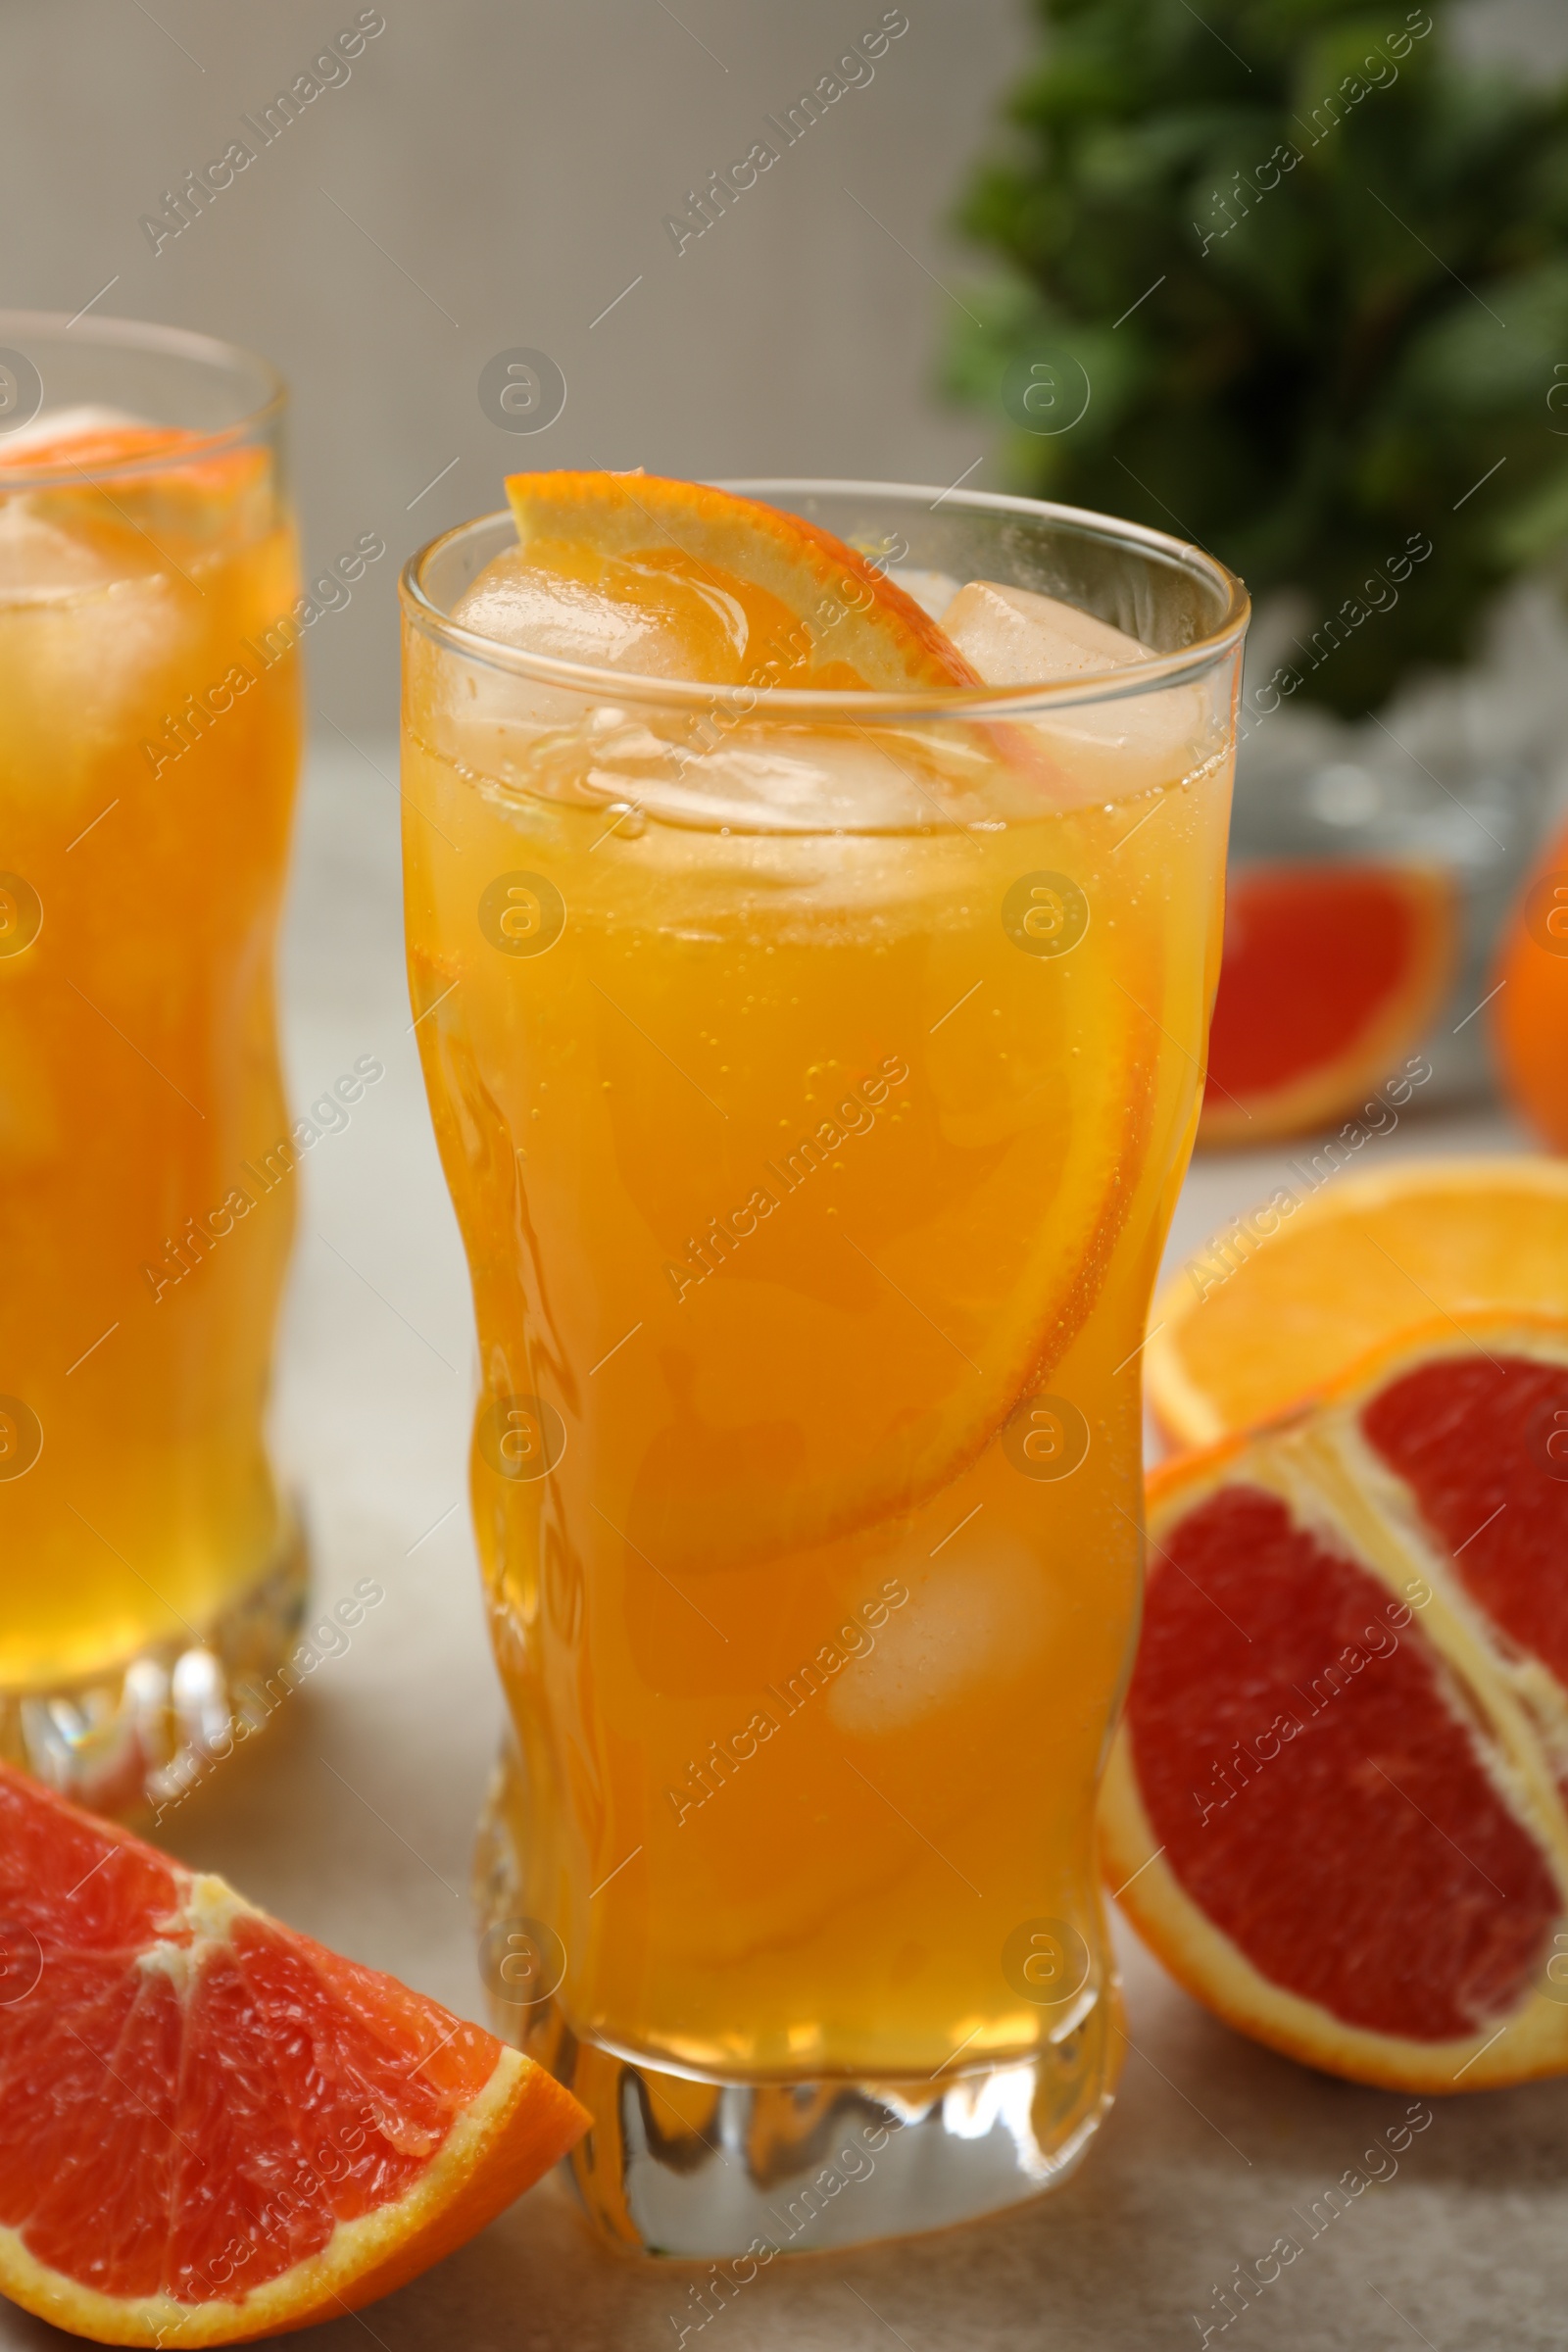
x=149, y=743
x=814, y=1074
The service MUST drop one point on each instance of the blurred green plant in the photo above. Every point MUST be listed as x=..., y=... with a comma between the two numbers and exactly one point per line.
x=1309, y=270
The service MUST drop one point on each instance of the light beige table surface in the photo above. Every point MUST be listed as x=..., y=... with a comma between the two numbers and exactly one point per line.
x=353, y=1818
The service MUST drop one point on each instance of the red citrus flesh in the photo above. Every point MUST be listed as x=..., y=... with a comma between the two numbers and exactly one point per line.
x=1365, y=1862
x=1483, y=1444
x=1336, y=1807
x=1328, y=972
x=198, y=2103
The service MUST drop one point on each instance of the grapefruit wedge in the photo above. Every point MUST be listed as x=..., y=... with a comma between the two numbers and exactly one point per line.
x=741, y=593
x=1334, y=1807
x=213, y=2129
x=1280, y=1301
x=1329, y=973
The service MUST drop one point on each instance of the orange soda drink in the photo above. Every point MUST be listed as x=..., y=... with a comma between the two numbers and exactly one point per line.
x=148, y=742
x=811, y=937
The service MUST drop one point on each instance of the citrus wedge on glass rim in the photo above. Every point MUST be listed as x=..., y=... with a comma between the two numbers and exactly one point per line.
x=1334, y=1807
x=1276, y=1303
x=727, y=590
x=212, y=2128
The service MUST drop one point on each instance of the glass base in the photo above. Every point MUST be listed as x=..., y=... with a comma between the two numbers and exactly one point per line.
x=137, y=1737
x=735, y=2173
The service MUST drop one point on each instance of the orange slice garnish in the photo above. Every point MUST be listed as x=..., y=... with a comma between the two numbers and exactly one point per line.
x=752, y=596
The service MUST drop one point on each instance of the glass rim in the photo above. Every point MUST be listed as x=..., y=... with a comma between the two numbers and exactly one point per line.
x=842, y=704
x=173, y=342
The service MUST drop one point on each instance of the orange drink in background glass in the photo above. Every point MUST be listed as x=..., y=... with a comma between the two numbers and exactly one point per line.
x=814, y=1062
x=149, y=744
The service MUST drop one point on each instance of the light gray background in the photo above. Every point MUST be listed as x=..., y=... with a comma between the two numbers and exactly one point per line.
x=508, y=167
x=516, y=164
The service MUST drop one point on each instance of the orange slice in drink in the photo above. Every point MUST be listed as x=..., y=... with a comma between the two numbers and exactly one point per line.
x=1280, y=1301
x=732, y=591
x=93, y=445
x=1335, y=1805
x=886, y=1317
x=1530, y=1014
x=211, y=2128
x=1330, y=974
x=110, y=483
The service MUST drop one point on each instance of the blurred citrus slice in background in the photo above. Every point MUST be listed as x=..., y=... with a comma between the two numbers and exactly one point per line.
x=1329, y=974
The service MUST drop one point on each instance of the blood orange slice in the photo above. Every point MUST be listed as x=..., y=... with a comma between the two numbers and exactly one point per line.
x=1334, y=1807
x=1329, y=973
x=213, y=2129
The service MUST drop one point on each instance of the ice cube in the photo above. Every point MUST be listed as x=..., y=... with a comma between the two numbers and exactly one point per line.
x=1109, y=750
x=1014, y=637
x=542, y=611
x=37, y=559
x=970, y=1624
x=932, y=591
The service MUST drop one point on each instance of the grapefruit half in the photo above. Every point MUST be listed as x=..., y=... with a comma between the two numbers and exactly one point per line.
x=213, y=2129
x=1327, y=974
x=1334, y=1807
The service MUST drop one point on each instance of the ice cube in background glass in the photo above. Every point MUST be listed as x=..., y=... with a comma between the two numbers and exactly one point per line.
x=41, y=558
x=1014, y=637
x=539, y=611
x=97, y=622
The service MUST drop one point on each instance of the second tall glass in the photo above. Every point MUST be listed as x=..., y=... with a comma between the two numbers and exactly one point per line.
x=813, y=1088
x=149, y=748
